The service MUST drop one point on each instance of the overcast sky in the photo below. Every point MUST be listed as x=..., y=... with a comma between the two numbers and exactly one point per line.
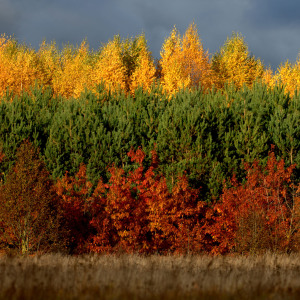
x=271, y=27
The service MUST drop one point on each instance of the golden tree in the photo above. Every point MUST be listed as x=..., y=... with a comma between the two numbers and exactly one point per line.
x=144, y=73
x=195, y=60
x=268, y=77
x=184, y=63
x=234, y=64
x=73, y=74
x=49, y=61
x=109, y=67
x=4, y=64
x=18, y=66
x=171, y=68
x=288, y=75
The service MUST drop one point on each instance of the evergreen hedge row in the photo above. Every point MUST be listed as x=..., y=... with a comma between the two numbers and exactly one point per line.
x=207, y=135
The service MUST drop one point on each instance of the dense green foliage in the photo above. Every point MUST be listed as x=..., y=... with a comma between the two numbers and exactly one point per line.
x=208, y=135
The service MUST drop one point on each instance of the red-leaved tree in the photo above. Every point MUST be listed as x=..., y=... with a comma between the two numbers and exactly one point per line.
x=137, y=212
x=74, y=195
x=260, y=215
x=29, y=207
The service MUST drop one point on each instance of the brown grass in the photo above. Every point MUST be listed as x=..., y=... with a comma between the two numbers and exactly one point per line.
x=155, y=277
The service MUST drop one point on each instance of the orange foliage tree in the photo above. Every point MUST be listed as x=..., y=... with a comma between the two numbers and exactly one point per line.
x=137, y=212
x=119, y=211
x=260, y=215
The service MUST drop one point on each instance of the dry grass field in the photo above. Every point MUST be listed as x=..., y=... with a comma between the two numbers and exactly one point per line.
x=154, y=277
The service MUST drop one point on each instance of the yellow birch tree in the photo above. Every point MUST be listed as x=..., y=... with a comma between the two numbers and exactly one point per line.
x=234, y=64
x=109, y=67
x=18, y=66
x=172, y=73
x=184, y=63
x=48, y=56
x=73, y=74
x=195, y=60
x=144, y=73
x=289, y=75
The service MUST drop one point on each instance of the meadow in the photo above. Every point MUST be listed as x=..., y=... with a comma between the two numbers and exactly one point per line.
x=123, y=276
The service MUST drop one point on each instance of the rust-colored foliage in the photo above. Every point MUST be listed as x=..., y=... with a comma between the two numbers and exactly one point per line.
x=137, y=212
x=29, y=210
x=2, y=155
x=74, y=193
x=261, y=214
x=120, y=212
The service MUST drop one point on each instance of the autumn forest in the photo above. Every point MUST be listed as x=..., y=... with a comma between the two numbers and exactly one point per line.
x=111, y=151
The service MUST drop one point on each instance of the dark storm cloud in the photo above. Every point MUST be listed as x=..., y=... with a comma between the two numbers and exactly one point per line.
x=214, y=19
x=9, y=13
x=276, y=13
x=274, y=29
x=270, y=27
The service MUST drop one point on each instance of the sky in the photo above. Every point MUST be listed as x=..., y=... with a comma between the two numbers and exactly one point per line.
x=271, y=28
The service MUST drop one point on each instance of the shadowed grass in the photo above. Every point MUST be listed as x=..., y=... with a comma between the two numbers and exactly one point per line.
x=154, y=277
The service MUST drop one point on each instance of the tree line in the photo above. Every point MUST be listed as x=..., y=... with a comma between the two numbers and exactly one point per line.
x=126, y=64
